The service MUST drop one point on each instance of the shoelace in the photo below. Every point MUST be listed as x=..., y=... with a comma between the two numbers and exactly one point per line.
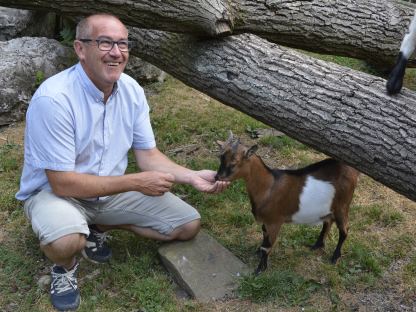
x=64, y=281
x=101, y=237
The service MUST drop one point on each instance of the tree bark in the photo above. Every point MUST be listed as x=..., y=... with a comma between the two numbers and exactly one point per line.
x=341, y=112
x=199, y=17
x=366, y=29
x=370, y=30
x=338, y=111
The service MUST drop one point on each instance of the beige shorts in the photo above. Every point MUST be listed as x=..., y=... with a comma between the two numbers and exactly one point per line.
x=53, y=217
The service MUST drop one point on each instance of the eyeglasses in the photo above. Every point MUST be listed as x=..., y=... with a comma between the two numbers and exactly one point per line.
x=107, y=44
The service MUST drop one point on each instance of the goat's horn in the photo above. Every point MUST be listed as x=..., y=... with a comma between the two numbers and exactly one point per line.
x=235, y=145
x=230, y=136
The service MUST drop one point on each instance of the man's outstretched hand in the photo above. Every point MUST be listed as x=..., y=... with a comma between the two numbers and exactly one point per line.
x=204, y=181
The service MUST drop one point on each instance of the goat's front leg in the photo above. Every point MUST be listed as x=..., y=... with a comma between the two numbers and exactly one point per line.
x=270, y=232
x=265, y=240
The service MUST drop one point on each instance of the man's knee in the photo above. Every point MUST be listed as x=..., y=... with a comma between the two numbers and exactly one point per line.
x=66, y=245
x=187, y=231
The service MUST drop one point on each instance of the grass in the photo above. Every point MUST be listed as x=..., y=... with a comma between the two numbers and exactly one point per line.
x=378, y=256
x=286, y=286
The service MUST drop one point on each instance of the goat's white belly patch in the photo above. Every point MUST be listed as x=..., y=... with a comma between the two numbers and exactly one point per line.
x=315, y=201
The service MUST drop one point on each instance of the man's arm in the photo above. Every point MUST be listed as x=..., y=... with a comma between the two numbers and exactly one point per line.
x=80, y=185
x=157, y=176
x=202, y=180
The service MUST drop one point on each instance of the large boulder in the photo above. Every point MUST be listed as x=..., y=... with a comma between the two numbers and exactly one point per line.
x=144, y=72
x=20, y=23
x=26, y=62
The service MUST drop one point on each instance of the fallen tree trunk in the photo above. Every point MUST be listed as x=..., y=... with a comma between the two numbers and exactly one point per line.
x=370, y=30
x=338, y=111
x=199, y=17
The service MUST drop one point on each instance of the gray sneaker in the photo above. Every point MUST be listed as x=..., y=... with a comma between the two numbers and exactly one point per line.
x=96, y=249
x=64, y=288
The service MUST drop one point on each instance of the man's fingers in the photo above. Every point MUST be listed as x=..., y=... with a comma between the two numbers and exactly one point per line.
x=169, y=177
x=221, y=186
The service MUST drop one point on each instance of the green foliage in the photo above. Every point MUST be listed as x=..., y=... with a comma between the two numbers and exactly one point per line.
x=281, y=142
x=285, y=145
x=283, y=286
x=410, y=268
x=383, y=215
x=9, y=160
x=39, y=78
x=10, y=164
x=399, y=246
x=67, y=35
x=361, y=264
x=297, y=235
x=356, y=64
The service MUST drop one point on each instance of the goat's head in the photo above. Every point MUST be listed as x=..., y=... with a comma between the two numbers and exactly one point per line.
x=234, y=159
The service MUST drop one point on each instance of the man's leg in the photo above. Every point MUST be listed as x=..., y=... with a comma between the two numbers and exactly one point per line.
x=183, y=232
x=163, y=218
x=62, y=251
x=61, y=229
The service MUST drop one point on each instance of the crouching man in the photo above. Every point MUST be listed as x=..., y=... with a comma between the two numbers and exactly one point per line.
x=80, y=125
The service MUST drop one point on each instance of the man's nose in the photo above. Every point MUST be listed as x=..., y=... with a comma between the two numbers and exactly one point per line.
x=115, y=50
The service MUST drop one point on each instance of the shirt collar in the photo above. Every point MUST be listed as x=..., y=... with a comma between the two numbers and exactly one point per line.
x=90, y=87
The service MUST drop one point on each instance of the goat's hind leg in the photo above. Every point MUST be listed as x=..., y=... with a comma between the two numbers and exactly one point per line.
x=343, y=233
x=320, y=243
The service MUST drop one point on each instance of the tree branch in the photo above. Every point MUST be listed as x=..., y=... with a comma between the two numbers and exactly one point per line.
x=366, y=29
x=199, y=17
x=370, y=30
x=338, y=111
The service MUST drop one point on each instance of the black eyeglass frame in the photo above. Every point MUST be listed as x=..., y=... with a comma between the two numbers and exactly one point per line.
x=99, y=42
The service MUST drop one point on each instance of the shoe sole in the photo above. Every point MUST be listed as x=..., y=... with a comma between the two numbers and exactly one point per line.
x=69, y=309
x=85, y=256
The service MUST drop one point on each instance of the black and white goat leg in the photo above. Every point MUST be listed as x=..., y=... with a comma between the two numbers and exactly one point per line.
x=343, y=233
x=270, y=232
x=264, y=255
x=265, y=240
x=395, y=80
x=320, y=243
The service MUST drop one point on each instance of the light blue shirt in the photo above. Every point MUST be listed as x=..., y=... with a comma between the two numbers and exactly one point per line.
x=69, y=128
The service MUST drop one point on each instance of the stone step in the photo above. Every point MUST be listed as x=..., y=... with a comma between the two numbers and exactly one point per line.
x=203, y=267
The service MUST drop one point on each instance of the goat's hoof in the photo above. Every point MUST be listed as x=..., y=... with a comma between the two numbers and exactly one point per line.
x=258, y=271
x=334, y=261
x=258, y=252
x=316, y=246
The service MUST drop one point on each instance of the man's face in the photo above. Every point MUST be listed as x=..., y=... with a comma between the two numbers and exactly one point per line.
x=103, y=67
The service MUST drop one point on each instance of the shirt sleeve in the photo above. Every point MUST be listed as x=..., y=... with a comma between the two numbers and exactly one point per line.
x=143, y=137
x=50, y=135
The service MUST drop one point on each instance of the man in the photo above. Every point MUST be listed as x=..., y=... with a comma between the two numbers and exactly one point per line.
x=80, y=126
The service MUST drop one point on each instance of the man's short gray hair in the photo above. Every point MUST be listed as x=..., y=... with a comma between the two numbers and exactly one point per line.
x=83, y=29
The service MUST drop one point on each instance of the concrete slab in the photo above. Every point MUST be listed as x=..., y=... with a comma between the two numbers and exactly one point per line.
x=203, y=267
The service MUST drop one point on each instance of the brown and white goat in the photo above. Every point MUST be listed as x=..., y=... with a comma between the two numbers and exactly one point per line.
x=321, y=192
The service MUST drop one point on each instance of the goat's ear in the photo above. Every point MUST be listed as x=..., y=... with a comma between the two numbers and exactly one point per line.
x=220, y=143
x=250, y=152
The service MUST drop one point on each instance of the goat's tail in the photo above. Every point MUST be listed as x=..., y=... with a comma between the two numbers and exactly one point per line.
x=395, y=80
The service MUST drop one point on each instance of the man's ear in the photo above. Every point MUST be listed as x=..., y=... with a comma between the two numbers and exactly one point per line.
x=79, y=49
x=220, y=143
